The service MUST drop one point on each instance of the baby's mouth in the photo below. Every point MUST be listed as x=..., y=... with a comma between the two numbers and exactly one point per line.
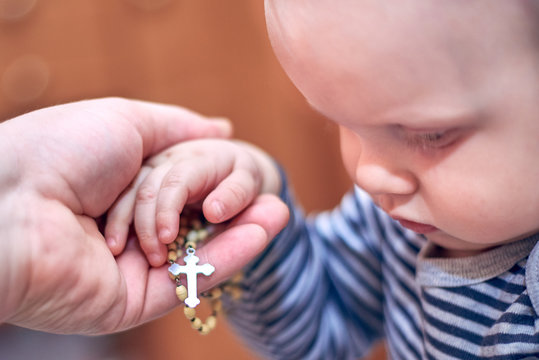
x=417, y=227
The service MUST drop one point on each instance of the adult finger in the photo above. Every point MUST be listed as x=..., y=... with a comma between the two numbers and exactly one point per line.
x=161, y=125
x=150, y=292
x=268, y=211
x=244, y=239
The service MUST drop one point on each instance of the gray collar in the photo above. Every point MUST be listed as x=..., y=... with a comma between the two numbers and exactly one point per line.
x=451, y=272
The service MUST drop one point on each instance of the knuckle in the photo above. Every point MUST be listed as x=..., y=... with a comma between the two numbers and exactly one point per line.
x=174, y=181
x=238, y=192
x=145, y=237
x=165, y=217
x=146, y=194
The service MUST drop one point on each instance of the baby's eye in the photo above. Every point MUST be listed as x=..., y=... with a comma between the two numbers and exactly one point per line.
x=431, y=139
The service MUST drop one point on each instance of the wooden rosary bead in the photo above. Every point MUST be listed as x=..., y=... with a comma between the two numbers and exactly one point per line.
x=211, y=322
x=236, y=292
x=172, y=255
x=216, y=293
x=191, y=244
x=192, y=236
x=204, y=329
x=217, y=306
x=181, y=292
x=196, y=323
x=190, y=313
x=237, y=278
x=203, y=234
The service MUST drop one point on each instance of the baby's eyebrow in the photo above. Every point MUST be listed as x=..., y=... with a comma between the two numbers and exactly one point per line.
x=418, y=117
x=430, y=117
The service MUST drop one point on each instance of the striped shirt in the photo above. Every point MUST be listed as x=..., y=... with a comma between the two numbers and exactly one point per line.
x=330, y=286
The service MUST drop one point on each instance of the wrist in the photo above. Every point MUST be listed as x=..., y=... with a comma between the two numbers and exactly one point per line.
x=271, y=178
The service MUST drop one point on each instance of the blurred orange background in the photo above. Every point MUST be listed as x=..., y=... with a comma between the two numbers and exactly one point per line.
x=208, y=55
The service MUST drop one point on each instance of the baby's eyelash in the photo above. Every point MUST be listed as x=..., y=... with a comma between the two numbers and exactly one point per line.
x=429, y=140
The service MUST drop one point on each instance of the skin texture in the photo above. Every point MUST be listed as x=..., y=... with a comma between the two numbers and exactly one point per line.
x=61, y=169
x=437, y=106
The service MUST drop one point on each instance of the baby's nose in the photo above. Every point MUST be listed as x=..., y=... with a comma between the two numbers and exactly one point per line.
x=380, y=180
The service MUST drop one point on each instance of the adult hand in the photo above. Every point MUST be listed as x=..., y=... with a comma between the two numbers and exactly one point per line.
x=61, y=168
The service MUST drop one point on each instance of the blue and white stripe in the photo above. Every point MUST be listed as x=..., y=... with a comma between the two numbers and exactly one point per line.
x=331, y=285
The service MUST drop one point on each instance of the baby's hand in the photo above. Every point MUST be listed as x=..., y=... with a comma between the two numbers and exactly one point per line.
x=225, y=176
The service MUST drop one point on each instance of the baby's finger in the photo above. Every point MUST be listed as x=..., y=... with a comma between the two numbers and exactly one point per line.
x=120, y=216
x=231, y=196
x=145, y=210
x=186, y=181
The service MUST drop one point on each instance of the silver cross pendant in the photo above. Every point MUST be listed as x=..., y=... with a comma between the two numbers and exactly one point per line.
x=191, y=269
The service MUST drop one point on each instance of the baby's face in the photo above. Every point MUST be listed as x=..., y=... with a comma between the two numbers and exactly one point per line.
x=437, y=103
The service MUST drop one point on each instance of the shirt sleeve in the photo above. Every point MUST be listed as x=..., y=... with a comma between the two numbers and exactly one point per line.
x=316, y=291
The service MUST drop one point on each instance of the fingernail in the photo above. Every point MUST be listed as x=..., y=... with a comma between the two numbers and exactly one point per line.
x=218, y=209
x=224, y=125
x=155, y=259
x=111, y=241
x=164, y=235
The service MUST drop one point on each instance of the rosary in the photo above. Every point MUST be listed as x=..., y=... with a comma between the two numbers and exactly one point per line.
x=194, y=229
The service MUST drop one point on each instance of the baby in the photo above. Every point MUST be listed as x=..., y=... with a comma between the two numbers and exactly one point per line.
x=435, y=249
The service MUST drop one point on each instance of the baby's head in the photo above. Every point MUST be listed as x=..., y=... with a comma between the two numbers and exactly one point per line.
x=437, y=102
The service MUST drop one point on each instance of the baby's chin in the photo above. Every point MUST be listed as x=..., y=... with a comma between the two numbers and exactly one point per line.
x=455, y=244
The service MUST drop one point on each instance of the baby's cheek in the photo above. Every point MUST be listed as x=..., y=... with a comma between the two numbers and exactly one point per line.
x=477, y=214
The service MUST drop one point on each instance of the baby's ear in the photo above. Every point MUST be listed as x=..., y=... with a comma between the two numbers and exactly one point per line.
x=532, y=277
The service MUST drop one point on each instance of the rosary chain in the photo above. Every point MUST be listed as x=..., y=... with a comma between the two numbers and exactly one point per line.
x=194, y=229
